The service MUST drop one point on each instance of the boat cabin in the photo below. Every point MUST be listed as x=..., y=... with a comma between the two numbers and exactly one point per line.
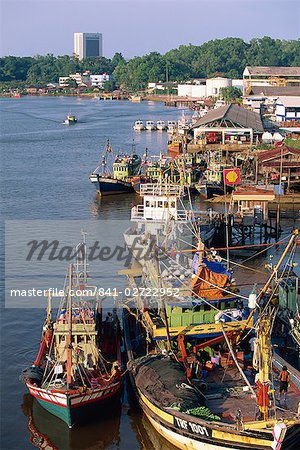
x=289, y=294
x=83, y=339
x=159, y=202
x=126, y=166
x=193, y=312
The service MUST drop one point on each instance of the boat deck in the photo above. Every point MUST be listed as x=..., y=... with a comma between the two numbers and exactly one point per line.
x=220, y=383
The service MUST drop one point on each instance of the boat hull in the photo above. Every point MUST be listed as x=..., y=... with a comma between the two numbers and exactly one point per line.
x=210, y=190
x=111, y=186
x=74, y=408
x=185, y=431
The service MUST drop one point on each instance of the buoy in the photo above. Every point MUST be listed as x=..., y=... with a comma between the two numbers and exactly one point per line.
x=252, y=300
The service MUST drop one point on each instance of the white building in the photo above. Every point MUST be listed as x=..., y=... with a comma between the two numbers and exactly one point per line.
x=288, y=108
x=87, y=45
x=209, y=87
x=64, y=81
x=98, y=80
x=85, y=79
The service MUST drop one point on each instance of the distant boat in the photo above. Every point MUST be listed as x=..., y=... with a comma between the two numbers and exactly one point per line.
x=70, y=119
x=138, y=125
x=150, y=125
x=161, y=125
x=172, y=126
x=16, y=94
x=136, y=98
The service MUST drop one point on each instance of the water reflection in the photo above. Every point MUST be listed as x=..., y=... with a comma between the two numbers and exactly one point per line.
x=48, y=432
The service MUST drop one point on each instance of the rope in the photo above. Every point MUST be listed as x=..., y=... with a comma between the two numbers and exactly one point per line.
x=205, y=281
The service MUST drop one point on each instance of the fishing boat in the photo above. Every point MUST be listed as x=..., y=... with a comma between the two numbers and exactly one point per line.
x=185, y=169
x=161, y=125
x=138, y=125
x=150, y=126
x=212, y=183
x=78, y=367
x=70, y=119
x=164, y=210
x=119, y=179
x=189, y=334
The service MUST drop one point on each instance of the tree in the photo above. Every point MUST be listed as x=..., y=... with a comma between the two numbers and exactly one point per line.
x=117, y=59
x=226, y=57
x=230, y=94
x=108, y=86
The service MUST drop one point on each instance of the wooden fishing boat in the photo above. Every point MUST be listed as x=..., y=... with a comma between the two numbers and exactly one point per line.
x=184, y=169
x=201, y=385
x=78, y=366
x=119, y=180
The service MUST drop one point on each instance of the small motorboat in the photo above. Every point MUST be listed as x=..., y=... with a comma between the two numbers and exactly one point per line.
x=172, y=126
x=161, y=125
x=138, y=125
x=70, y=119
x=150, y=125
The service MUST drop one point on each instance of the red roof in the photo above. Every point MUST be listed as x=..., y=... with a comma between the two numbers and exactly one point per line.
x=277, y=152
x=284, y=164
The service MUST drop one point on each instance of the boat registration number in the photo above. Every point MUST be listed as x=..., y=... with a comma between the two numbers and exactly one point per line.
x=191, y=427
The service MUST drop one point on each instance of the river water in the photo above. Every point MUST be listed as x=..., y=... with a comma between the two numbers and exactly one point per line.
x=46, y=194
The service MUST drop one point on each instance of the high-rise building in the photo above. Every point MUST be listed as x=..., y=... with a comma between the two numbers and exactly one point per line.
x=87, y=44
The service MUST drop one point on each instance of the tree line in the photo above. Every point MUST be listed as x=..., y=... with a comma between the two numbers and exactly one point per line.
x=224, y=57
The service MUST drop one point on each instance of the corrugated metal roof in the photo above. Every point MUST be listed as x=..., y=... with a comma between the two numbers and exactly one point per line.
x=274, y=91
x=277, y=153
x=274, y=71
x=237, y=114
x=289, y=102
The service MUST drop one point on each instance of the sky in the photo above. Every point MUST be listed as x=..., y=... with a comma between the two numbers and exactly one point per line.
x=138, y=27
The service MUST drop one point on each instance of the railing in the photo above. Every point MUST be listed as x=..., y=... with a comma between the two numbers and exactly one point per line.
x=138, y=212
x=161, y=189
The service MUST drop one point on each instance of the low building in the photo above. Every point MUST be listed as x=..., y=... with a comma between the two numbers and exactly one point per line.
x=165, y=86
x=262, y=76
x=64, y=81
x=210, y=87
x=288, y=108
x=81, y=79
x=85, y=79
x=281, y=162
x=98, y=80
x=229, y=124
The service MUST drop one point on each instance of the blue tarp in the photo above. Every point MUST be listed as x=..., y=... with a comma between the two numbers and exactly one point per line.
x=216, y=267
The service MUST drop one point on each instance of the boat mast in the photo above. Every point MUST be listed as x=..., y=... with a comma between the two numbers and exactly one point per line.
x=163, y=305
x=81, y=261
x=265, y=357
x=292, y=240
x=226, y=223
x=69, y=335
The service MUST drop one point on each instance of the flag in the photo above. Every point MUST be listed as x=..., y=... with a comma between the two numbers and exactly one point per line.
x=231, y=176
